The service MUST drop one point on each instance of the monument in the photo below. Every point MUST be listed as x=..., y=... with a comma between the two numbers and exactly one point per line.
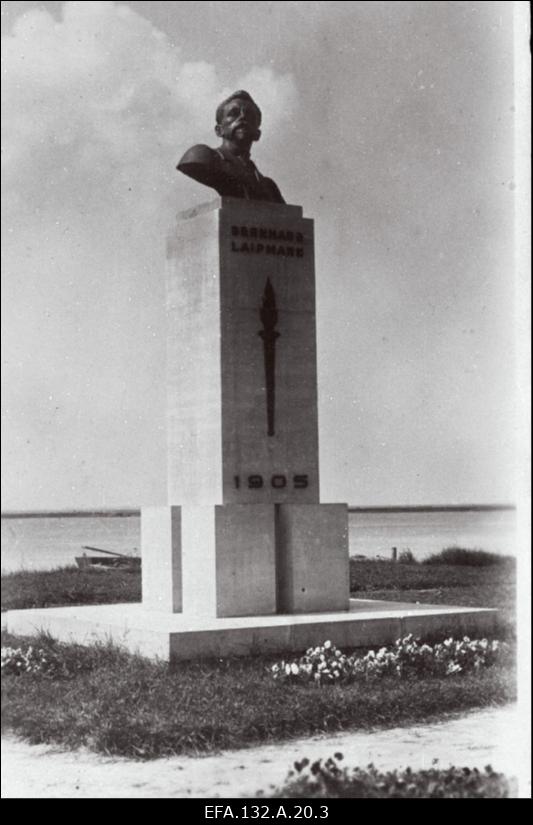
x=243, y=556
x=243, y=532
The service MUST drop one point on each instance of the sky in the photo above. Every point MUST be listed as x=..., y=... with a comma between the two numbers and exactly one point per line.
x=391, y=123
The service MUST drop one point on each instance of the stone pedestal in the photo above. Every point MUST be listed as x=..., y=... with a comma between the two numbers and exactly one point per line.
x=241, y=372
x=243, y=532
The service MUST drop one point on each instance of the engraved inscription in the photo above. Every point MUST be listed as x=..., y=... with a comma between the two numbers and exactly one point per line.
x=260, y=240
x=278, y=481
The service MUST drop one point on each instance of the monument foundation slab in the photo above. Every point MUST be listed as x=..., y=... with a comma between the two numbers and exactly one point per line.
x=175, y=637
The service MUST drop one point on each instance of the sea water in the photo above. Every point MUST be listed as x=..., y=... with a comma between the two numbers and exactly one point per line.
x=44, y=542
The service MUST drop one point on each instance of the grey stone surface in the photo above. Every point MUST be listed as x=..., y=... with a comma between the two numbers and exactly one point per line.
x=162, y=577
x=217, y=400
x=176, y=636
x=245, y=560
x=228, y=560
x=312, y=552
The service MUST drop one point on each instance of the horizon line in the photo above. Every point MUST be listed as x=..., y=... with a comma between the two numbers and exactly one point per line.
x=380, y=508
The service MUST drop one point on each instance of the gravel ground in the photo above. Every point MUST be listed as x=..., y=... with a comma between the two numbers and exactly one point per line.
x=490, y=736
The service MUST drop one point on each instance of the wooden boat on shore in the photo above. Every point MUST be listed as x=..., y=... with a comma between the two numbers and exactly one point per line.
x=110, y=561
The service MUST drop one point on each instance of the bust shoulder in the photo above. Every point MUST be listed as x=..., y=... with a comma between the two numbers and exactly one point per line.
x=199, y=154
x=272, y=189
x=201, y=163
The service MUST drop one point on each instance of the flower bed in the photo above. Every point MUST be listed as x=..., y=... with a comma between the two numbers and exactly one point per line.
x=130, y=706
x=16, y=660
x=327, y=664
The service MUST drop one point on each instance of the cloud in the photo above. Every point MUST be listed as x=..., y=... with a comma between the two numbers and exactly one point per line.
x=97, y=109
x=104, y=91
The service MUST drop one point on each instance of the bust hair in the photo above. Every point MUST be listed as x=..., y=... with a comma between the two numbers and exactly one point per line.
x=242, y=95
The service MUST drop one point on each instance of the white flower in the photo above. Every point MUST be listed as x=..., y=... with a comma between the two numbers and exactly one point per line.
x=295, y=669
x=327, y=645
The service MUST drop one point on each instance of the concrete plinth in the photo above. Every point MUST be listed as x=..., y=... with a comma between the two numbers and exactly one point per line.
x=162, y=577
x=228, y=560
x=312, y=558
x=210, y=561
x=173, y=637
x=245, y=559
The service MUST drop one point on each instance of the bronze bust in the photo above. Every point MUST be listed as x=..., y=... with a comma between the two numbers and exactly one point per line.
x=229, y=169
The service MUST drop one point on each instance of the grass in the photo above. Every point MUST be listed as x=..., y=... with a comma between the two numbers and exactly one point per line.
x=381, y=575
x=69, y=586
x=466, y=586
x=116, y=703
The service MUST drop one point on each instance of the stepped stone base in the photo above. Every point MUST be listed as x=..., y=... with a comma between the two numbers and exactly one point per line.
x=173, y=636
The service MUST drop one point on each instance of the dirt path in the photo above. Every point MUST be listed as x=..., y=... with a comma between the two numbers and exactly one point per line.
x=475, y=740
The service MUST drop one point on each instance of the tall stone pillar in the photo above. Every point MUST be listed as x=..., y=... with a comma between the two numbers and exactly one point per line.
x=242, y=531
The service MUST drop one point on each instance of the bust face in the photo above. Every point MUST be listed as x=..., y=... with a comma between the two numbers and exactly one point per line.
x=239, y=123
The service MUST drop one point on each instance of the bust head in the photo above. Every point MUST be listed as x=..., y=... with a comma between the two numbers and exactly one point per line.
x=238, y=119
x=229, y=169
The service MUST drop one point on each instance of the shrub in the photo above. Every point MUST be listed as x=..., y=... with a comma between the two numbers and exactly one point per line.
x=472, y=558
x=329, y=779
x=406, y=557
x=326, y=663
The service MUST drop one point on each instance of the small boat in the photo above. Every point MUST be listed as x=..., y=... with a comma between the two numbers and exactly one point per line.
x=116, y=560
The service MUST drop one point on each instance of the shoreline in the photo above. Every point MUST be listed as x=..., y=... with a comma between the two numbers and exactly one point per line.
x=129, y=512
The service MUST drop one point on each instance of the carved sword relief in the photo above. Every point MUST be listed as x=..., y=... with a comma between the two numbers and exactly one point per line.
x=269, y=318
